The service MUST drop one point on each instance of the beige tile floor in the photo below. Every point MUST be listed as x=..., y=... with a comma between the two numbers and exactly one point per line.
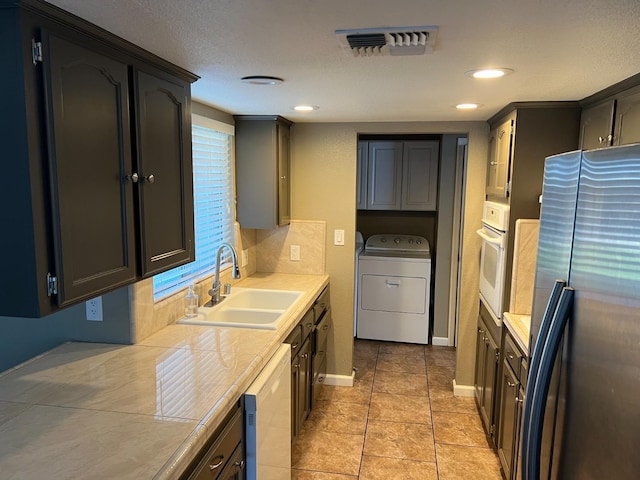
x=400, y=420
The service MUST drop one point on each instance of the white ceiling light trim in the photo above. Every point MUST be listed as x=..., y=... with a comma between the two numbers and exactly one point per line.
x=305, y=108
x=467, y=106
x=489, y=72
x=262, y=80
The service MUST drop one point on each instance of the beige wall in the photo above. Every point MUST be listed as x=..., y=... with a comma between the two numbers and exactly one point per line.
x=323, y=174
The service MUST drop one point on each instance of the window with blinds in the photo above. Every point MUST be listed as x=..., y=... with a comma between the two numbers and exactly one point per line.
x=213, y=204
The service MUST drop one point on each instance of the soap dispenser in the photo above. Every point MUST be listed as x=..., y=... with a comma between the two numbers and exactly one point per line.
x=191, y=303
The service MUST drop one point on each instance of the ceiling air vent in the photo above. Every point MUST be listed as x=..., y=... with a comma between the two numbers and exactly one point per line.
x=367, y=42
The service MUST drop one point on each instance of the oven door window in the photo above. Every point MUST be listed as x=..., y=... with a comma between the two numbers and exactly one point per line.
x=492, y=270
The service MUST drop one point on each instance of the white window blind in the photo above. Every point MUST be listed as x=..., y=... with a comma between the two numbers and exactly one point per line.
x=213, y=204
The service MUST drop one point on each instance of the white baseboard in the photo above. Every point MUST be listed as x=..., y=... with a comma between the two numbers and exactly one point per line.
x=340, y=380
x=463, y=390
x=440, y=341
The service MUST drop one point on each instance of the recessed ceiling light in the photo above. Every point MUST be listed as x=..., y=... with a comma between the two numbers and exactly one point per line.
x=305, y=108
x=467, y=106
x=489, y=73
x=262, y=80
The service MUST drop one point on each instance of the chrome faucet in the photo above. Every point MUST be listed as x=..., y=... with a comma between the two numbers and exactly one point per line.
x=235, y=273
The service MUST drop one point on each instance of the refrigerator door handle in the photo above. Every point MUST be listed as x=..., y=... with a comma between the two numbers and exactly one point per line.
x=534, y=363
x=541, y=387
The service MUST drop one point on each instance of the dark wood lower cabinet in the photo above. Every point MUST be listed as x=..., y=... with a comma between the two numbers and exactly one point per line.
x=487, y=360
x=508, y=419
x=512, y=388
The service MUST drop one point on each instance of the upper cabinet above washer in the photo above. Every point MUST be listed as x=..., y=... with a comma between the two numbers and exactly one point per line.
x=398, y=175
x=99, y=189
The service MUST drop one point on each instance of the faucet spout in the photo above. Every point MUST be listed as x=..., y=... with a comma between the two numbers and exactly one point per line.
x=235, y=272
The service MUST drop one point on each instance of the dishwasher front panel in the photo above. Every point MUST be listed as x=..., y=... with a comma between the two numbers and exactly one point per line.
x=268, y=420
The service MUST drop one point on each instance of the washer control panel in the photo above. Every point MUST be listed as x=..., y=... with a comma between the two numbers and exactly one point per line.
x=397, y=243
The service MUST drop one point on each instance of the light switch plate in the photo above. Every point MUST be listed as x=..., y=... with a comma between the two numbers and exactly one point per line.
x=294, y=253
x=338, y=237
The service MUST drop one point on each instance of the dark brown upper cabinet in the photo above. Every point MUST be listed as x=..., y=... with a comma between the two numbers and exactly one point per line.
x=612, y=121
x=263, y=171
x=97, y=187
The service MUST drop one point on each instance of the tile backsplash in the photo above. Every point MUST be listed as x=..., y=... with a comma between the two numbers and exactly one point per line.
x=274, y=248
x=524, y=266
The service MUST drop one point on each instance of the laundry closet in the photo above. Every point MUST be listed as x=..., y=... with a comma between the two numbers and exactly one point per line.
x=399, y=199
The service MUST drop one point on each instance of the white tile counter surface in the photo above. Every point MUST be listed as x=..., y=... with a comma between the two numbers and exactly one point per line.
x=519, y=326
x=136, y=411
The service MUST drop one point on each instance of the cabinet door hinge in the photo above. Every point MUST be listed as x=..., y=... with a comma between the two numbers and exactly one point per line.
x=52, y=285
x=36, y=51
x=492, y=429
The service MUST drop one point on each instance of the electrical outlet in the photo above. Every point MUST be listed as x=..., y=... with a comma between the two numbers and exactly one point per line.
x=94, y=309
x=294, y=253
x=244, y=260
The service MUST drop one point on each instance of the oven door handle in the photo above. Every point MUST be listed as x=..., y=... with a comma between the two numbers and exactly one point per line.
x=493, y=240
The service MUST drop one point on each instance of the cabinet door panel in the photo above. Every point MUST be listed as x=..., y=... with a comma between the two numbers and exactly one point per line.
x=384, y=175
x=507, y=418
x=284, y=175
x=90, y=156
x=595, y=126
x=304, y=383
x=500, y=143
x=163, y=156
x=490, y=371
x=481, y=352
x=420, y=175
x=627, y=125
x=361, y=187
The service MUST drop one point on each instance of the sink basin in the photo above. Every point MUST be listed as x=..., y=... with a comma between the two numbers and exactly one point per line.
x=237, y=317
x=247, y=308
x=262, y=299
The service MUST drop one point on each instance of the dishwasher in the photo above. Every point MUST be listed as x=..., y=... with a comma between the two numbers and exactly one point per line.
x=268, y=420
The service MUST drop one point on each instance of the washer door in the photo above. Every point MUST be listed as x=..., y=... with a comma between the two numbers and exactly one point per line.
x=394, y=294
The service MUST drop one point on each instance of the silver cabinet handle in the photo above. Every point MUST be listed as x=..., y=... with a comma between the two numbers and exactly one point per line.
x=305, y=355
x=510, y=384
x=240, y=465
x=220, y=459
x=510, y=355
x=493, y=164
x=133, y=177
x=149, y=178
x=294, y=345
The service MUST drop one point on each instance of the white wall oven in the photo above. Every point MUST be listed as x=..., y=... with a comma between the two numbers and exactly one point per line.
x=495, y=223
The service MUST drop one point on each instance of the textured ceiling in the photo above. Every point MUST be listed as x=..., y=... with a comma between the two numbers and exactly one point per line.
x=559, y=49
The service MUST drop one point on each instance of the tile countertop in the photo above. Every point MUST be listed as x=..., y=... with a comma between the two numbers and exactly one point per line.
x=135, y=411
x=519, y=326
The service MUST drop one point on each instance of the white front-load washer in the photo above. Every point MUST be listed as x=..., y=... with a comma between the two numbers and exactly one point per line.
x=394, y=284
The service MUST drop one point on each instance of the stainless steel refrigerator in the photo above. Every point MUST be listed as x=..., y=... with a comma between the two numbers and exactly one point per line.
x=582, y=410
